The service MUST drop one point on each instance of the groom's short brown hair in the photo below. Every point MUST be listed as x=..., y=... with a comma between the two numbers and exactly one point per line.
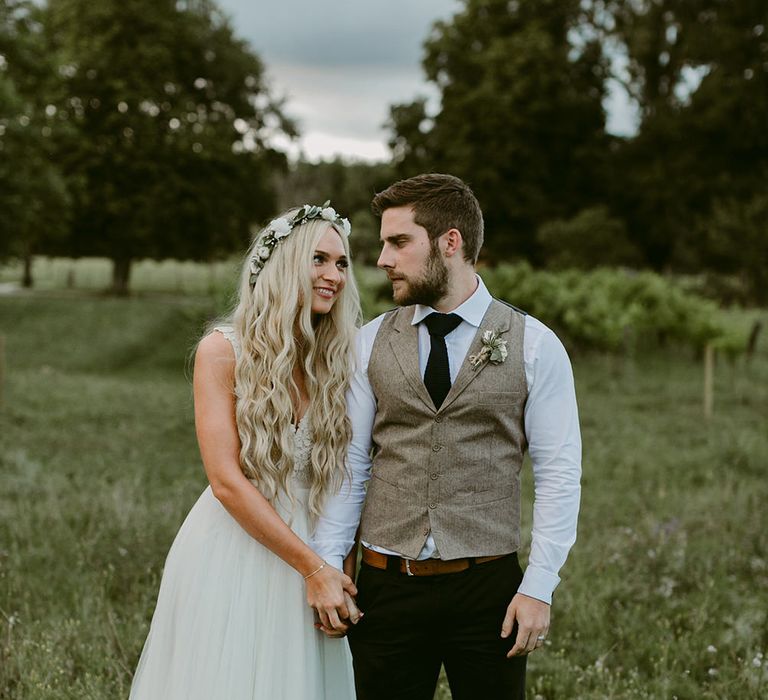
x=440, y=202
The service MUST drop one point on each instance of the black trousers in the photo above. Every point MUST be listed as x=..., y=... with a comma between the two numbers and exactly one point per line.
x=414, y=624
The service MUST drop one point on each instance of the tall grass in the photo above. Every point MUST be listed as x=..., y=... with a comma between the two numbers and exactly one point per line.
x=664, y=594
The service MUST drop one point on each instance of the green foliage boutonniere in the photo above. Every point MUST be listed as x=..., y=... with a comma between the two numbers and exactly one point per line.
x=494, y=350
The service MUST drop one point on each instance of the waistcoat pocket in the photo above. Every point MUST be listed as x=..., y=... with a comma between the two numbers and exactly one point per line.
x=497, y=398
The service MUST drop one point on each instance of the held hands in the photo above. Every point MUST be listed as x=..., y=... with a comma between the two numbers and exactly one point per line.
x=532, y=617
x=330, y=592
x=354, y=617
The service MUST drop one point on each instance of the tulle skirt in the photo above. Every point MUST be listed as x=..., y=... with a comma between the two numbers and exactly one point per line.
x=232, y=621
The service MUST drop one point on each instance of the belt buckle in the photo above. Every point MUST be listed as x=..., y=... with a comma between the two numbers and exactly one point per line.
x=408, y=567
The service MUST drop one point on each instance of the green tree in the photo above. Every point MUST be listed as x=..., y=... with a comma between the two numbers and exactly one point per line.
x=172, y=154
x=591, y=238
x=521, y=116
x=735, y=240
x=33, y=196
x=699, y=73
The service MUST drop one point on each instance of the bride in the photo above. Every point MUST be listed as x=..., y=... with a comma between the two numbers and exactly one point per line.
x=232, y=620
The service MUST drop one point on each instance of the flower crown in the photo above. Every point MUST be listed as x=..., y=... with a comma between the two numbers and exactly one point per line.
x=280, y=228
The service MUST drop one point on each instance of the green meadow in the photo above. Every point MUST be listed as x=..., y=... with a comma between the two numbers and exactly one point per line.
x=664, y=595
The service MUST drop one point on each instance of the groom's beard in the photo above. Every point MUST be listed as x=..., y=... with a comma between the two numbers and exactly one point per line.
x=428, y=289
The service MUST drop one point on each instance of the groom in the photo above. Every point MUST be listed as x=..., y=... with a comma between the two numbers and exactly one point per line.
x=450, y=390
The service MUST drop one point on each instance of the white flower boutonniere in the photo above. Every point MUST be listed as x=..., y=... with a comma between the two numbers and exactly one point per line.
x=494, y=350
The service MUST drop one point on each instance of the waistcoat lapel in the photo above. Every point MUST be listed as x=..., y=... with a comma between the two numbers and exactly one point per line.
x=497, y=318
x=404, y=343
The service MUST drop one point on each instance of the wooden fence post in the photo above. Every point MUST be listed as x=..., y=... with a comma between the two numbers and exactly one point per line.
x=709, y=372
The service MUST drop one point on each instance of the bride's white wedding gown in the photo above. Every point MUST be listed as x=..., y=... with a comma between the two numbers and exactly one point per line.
x=232, y=620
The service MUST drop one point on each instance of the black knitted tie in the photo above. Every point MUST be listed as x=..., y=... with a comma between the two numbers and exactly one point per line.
x=437, y=376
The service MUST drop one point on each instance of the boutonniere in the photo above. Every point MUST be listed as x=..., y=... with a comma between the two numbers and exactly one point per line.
x=494, y=350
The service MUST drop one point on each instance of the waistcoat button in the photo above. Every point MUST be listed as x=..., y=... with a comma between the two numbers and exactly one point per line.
x=433, y=505
x=437, y=448
x=433, y=475
x=438, y=419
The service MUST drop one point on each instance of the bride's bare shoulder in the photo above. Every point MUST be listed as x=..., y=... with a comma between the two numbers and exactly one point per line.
x=214, y=350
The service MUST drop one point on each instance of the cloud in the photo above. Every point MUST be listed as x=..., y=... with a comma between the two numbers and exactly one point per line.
x=339, y=32
x=341, y=64
x=349, y=101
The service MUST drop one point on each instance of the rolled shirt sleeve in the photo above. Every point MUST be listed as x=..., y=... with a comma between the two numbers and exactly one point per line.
x=334, y=534
x=554, y=444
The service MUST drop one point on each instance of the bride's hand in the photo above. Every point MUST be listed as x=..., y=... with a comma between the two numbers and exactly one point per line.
x=328, y=592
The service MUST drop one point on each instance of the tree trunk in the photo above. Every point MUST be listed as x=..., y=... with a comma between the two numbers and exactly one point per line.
x=121, y=274
x=752, y=341
x=757, y=281
x=26, y=280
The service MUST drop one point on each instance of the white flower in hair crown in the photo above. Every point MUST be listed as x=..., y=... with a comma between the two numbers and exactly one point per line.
x=280, y=228
x=494, y=350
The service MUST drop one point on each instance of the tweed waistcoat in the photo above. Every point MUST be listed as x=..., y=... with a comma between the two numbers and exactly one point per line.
x=453, y=471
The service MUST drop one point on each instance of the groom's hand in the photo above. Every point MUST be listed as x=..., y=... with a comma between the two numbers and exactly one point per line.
x=328, y=592
x=354, y=617
x=532, y=618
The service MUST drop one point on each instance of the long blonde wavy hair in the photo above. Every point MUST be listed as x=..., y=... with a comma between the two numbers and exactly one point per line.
x=274, y=326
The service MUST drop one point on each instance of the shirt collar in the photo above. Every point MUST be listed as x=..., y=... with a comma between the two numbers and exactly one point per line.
x=471, y=311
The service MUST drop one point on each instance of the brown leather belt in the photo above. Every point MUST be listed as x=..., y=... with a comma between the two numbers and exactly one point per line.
x=424, y=567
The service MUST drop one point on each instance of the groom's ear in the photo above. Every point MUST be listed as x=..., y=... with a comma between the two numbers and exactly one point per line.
x=452, y=242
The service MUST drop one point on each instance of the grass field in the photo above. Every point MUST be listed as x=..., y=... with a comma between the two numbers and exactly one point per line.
x=664, y=594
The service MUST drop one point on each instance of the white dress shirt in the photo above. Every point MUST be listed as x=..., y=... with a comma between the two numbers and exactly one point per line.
x=551, y=428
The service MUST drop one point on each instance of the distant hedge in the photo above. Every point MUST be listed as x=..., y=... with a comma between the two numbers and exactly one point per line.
x=608, y=309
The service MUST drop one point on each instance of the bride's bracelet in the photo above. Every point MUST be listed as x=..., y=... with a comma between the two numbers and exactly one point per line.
x=317, y=570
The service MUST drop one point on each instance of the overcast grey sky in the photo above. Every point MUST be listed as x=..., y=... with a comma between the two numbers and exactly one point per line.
x=342, y=63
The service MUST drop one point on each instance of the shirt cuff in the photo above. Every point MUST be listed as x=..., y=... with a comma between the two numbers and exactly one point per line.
x=538, y=583
x=332, y=551
x=335, y=561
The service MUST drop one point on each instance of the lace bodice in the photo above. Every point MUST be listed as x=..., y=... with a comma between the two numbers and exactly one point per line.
x=302, y=448
x=302, y=438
